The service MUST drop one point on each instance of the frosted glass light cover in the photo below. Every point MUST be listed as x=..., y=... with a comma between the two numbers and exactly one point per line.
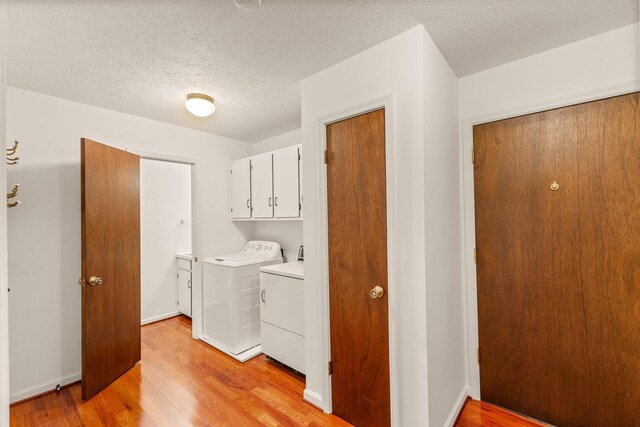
x=200, y=105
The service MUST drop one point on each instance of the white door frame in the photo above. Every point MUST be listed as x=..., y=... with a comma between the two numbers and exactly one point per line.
x=388, y=104
x=196, y=269
x=469, y=232
x=4, y=296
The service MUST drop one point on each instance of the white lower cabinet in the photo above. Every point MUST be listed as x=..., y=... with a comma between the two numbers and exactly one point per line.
x=283, y=346
x=282, y=314
x=184, y=286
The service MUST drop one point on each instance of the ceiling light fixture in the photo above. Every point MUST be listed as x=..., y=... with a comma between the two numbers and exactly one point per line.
x=200, y=105
x=248, y=5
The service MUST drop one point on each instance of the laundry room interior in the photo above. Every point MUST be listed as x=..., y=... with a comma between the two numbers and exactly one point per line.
x=368, y=213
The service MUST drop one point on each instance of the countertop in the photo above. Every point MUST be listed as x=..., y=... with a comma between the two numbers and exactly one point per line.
x=293, y=269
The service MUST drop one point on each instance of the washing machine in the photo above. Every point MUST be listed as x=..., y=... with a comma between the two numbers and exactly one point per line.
x=231, y=300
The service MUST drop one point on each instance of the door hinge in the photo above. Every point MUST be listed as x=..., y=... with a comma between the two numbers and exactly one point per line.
x=475, y=255
x=473, y=155
x=231, y=209
x=330, y=367
x=298, y=155
x=326, y=156
x=299, y=206
x=478, y=354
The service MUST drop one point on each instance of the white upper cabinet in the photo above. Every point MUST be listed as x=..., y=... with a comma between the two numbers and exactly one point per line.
x=241, y=189
x=300, y=187
x=268, y=186
x=262, y=185
x=285, y=182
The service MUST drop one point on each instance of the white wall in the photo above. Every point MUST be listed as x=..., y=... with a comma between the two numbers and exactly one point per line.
x=287, y=233
x=283, y=140
x=606, y=60
x=4, y=308
x=596, y=67
x=446, y=344
x=165, y=229
x=400, y=68
x=44, y=233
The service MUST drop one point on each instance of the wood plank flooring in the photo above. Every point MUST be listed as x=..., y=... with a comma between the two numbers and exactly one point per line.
x=481, y=414
x=182, y=382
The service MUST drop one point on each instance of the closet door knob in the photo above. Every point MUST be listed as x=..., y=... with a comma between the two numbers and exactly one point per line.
x=248, y=202
x=269, y=201
x=95, y=281
x=376, y=292
x=276, y=201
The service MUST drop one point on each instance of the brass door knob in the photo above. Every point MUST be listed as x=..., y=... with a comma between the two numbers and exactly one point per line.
x=94, y=280
x=376, y=292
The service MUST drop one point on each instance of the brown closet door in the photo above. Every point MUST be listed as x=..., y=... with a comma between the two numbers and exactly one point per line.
x=559, y=265
x=357, y=208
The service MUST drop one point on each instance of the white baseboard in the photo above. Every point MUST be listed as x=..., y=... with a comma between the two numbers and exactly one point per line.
x=158, y=318
x=44, y=387
x=314, y=398
x=457, y=407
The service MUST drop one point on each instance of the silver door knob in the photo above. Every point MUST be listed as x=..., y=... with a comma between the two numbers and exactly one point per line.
x=95, y=281
x=376, y=292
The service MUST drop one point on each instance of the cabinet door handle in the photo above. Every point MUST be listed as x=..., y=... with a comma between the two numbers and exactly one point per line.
x=189, y=284
x=269, y=201
x=276, y=200
x=262, y=295
x=247, y=202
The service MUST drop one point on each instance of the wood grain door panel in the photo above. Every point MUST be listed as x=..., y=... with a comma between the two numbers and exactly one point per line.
x=609, y=174
x=559, y=271
x=110, y=250
x=356, y=184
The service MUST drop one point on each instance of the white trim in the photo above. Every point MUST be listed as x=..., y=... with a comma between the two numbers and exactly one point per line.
x=163, y=157
x=388, y=104
x=44, y=387
x=4, y=297
x=455, y=411
x=313, y=398
x=266, y=219
x=196, y=270
x=469, y=232
x=160, y=317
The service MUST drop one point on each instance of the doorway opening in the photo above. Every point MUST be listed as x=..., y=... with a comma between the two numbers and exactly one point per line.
x=166, y=244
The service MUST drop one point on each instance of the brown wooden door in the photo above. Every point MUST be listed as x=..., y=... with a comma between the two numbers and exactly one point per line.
x=111, y=253
x=559, y=270
x=357, y=210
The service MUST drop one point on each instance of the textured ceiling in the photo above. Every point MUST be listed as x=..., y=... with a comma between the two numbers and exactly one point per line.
x=143, y=56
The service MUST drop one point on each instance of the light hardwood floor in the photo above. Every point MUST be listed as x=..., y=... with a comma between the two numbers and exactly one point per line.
x=481, y=414
x=182, y=382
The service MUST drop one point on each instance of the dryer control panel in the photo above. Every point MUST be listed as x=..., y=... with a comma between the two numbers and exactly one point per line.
x=262, y=249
